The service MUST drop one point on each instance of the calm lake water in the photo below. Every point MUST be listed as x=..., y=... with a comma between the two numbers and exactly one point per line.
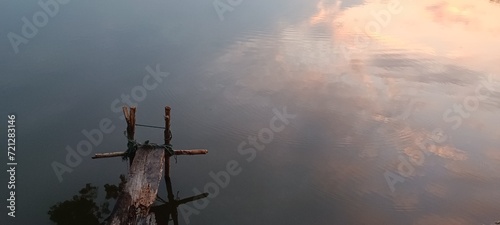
x=394, y=105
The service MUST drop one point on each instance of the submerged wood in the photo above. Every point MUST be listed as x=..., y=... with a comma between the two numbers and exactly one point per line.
x=139, y=194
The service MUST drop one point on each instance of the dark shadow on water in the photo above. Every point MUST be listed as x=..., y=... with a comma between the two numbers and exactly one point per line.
x=168, y=210
x=85, y=209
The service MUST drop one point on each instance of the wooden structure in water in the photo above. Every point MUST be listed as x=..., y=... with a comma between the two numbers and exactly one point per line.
x=147, y=162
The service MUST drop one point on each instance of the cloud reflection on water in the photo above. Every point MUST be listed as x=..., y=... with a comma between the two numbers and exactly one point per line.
x=437, y=52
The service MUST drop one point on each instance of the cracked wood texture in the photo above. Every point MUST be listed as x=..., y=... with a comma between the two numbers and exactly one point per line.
x=133, y=204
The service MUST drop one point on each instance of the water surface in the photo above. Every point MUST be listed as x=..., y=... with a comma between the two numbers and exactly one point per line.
x=368, y=81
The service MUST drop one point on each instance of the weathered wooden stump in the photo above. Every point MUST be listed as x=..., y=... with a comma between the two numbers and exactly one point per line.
x=139, y=194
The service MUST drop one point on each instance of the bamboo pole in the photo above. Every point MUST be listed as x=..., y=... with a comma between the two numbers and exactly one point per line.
x=108, y=155
x=176, y=152
x=191, y=152
x=167, y=136
x=130, y=118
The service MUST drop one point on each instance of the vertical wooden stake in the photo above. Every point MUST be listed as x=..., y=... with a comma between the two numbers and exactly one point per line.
x=130, y=118
x=167, y=136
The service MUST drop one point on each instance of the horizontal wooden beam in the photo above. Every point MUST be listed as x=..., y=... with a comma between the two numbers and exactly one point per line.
x=191, y=152
x=176, y=152
x=108, y=155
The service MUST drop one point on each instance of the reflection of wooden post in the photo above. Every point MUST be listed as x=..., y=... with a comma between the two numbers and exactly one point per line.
x=162, y=212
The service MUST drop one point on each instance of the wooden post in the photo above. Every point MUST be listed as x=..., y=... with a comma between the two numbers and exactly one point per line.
x=130, y=118
x=134, y=205
x=167, y=136
x=167, y=133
